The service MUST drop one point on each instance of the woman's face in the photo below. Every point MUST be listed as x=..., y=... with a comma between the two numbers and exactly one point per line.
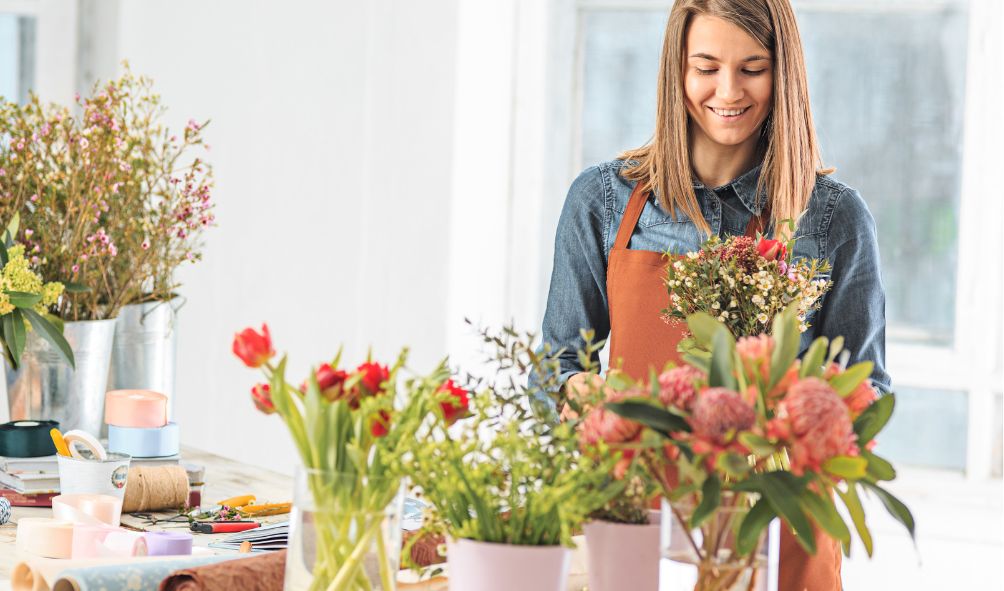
x=728, y=81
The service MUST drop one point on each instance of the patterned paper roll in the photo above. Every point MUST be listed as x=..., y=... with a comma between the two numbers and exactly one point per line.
x=87, y=509
x=167, y=543
x=42, y=536
x=135, y=408
x=124, y=543
x=144, y=442
x=88, y=540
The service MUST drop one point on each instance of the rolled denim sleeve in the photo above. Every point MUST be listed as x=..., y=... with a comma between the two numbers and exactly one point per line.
x=855, y=306
x=577, y=297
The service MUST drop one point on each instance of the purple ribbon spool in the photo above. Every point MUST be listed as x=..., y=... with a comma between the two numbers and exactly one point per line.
x=165, y=543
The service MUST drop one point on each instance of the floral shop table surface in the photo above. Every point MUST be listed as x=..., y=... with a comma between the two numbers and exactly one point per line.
x=224, y=479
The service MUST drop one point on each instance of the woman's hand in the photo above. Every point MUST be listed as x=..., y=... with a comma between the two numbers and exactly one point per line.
x=578, y=387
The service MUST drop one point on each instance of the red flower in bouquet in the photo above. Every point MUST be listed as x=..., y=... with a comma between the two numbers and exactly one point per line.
x=253, y=348
x=676, y=386
x=373, y=376
x=380, y=424
x=755, y=353
x=772, y=250
x=816, y=423
x=601, y=424
x=458, y=405
x=861, y=398
x=330, y=382
x=261, y=395
x=719, y=414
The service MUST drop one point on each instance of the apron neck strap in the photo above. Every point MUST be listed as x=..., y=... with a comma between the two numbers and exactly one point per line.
x=631, y=214
x=758, y=223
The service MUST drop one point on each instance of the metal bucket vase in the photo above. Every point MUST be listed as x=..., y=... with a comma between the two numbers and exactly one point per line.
x=145, y=349
x=46, y=387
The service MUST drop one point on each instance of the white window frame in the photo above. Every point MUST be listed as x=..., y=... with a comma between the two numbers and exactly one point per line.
x=973, y=364
x=55, y=45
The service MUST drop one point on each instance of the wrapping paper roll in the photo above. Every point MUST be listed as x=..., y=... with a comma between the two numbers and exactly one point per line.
x=87, y=509
x=93, y=477
x=124, y=543
x=166, y=543
x=41, y=574
x=144, y=442
x=27, y=439
x=89, y=539
x=42, y=536
x=135, y=408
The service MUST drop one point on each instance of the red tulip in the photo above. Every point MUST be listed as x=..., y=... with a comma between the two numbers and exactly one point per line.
x=373, y=376
x=261, y=395
x=253, y=348
x=380, y=424
x=458, y=406
x=772, y=250
x=329, y=381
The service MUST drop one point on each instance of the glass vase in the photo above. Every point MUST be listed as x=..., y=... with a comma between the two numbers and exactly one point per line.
x=705, y=558
x=345, y=532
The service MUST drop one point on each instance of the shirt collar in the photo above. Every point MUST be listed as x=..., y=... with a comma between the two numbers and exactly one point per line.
x=745, y=187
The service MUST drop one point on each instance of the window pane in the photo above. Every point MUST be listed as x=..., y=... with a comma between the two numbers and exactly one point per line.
x=17, y=56
x=928, y=428
x=887, y=93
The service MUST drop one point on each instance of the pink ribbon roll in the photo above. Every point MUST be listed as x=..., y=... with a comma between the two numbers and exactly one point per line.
x=167, y=543
x=89, y=539
x=87, y=509
x=124, y=543
x=135, y=408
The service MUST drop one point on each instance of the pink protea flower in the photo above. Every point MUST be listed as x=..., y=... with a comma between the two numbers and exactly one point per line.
x=755, y=354
x=861, y=398
x=719, y=412
x=815, y=423
x=603, y=425
x=676, y=386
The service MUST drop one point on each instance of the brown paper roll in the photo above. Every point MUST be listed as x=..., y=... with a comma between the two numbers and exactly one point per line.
x=155, y=488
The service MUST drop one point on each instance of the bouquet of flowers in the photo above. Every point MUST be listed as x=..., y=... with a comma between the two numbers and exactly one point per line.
x=744, y=283
x=754, y=433
x=108, y=202
x=349, y=427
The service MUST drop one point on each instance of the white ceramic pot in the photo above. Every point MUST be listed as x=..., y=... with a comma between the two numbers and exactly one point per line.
x=483, y=566
x=623, y=556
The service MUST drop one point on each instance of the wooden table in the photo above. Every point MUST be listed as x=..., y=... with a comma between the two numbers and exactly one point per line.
x=224, y=479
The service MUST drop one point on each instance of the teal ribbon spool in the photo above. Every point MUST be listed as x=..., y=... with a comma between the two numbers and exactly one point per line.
x=27, y=439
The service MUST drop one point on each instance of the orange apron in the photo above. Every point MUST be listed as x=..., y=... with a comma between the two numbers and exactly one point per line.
x=640, y=340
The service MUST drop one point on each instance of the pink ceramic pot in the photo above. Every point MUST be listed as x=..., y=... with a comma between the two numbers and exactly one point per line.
x=482, y=566
x=623, y=556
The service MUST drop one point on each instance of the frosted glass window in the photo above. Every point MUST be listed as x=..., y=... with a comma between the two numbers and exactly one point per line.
x=887, y=92
x=927, y=429
x=17, y=56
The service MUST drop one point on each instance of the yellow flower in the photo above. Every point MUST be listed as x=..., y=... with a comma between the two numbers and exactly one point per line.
x=5, y=306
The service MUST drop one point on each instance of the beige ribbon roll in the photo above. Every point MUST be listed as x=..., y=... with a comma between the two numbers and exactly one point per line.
x=43, y=536
x=87, y=509
x=72, y=438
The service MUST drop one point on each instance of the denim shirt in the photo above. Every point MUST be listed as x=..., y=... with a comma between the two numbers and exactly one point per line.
x=836, y=226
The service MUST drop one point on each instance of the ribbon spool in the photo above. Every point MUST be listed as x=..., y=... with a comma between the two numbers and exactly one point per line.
x=27, y=439
x=124, y=543
x=135, y=408
x=42, y=536
x=167, y=543
x=145, y=442
x=90, y=443
x=89, y=539
x=87, y=509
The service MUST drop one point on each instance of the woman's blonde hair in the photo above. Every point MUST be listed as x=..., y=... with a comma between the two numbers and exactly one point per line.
x=791, y=158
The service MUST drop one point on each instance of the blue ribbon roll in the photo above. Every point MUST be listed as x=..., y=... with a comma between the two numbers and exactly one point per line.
x=144, y=442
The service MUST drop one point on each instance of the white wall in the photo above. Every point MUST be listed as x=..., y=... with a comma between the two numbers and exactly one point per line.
x=332, y=133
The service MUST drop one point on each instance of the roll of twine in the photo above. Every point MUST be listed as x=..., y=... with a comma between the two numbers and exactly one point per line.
x=154, y=488
x=5, y=510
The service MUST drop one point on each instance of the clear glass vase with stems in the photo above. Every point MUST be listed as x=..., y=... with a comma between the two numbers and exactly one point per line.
x=345, y=532
x=705, y=558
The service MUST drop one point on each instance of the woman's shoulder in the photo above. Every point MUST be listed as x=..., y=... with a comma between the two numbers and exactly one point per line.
x=834, y=204
x=598, y=186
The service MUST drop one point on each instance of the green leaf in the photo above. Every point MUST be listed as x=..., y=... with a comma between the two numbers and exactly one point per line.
x=18, y=333
x=845, y=382
x=759, y=516
x=782, y=490
x=3, y=254
x=703, y=326
x=7, y=331
x=722, y=350
x=812, y=362
x=49, y=332
x=73, y=287
x=701, y=362
x=836, y=346
x=857, y=513
x=710, y=498
x=787, y=339
x=732, y=464
x=12, y=229
x=649, y=415
x=825, y=514
x=849, y=467
x=895, y=507
x=756, y=444
x=878, y=467
x=619, y=381
x=23, y=299
x=874, y=418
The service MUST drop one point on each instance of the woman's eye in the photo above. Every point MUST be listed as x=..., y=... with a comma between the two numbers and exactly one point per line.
x=705, y=72
x=754, y=72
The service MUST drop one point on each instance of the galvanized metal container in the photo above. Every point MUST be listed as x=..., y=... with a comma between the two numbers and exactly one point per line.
x=46, y=387
x=145, y=349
